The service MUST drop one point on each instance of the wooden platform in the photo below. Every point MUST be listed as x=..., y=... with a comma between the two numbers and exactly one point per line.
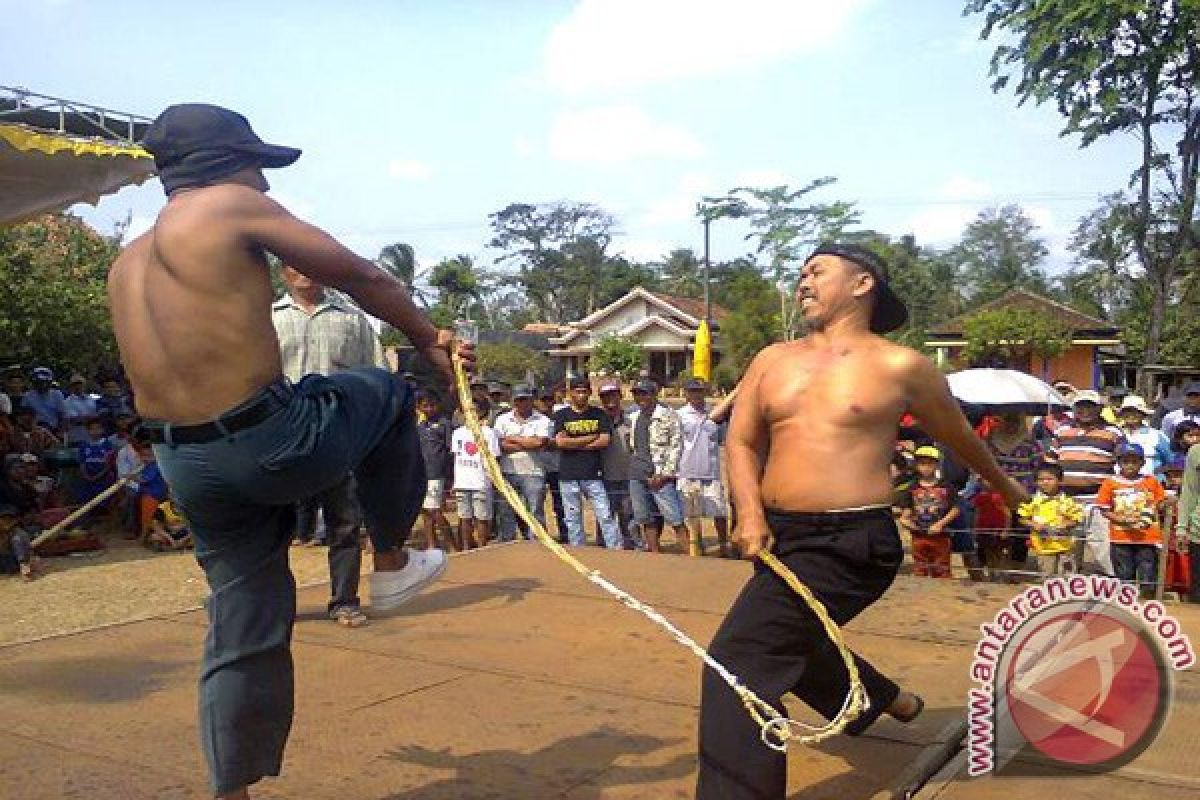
x=513, y=678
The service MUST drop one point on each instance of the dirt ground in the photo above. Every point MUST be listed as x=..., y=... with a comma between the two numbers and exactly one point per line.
x=125, y=581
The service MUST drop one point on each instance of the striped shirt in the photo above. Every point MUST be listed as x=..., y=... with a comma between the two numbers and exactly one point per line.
x=336, y=336
x=1087, y=457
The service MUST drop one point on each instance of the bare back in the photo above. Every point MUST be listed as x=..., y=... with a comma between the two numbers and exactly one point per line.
x=828, y=415
x=191, y=307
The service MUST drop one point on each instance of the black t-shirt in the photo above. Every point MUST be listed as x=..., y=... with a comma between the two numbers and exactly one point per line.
x=581, y=465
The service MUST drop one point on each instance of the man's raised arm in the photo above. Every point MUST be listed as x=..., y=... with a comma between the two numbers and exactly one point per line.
x=268, y=225
x=938, y=414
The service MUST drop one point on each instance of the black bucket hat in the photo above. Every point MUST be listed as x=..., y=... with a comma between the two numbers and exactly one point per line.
x=889, y=313
x=194, y=144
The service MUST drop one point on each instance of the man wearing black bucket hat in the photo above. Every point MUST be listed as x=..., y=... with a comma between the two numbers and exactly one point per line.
x=238, y=443
x=813, y=433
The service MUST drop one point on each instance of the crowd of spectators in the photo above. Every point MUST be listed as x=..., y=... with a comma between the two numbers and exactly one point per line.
x=1105, y=478
x=62, y=448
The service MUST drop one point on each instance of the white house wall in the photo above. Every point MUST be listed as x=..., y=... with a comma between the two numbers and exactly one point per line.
x=630, y=313
x=660, y=337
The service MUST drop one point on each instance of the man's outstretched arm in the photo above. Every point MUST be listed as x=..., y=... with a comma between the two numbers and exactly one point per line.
x=939, y=415
x=746, y=450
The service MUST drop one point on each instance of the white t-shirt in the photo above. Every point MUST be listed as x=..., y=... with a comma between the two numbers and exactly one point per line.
x=468, y=464
x=526, y=462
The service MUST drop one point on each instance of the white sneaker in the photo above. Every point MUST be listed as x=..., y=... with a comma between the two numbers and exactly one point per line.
x=390, y=590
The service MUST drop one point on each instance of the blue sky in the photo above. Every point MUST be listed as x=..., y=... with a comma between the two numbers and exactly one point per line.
x=417, y=119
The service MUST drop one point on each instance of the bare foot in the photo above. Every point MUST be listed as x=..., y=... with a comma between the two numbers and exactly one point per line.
x=906, y=707
x=240, y=794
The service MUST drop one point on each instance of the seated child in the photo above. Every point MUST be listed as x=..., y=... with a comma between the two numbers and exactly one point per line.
x=16, y=553
x=928, y=508
x=1053, y=518
x=168, y=529
x=1130, y=502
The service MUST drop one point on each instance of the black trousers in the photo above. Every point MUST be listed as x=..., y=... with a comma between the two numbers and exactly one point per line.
x=342, y=523
x=775, y=644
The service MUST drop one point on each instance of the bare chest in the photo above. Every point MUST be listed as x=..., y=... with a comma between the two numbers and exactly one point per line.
x=842, y=388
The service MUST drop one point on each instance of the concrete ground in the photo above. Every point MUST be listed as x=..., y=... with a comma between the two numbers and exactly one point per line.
x=513, y=678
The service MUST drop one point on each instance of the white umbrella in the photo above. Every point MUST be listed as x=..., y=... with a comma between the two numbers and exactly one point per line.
x=1001, y=390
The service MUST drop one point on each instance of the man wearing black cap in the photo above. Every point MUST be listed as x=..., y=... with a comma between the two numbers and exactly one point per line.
x=238, y=443
x=812, y=436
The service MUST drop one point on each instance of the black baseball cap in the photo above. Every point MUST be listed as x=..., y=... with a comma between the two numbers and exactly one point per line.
x=889, y=313
x=194, y=144
x=645, y=385
x=579, y=382
x=694, y=383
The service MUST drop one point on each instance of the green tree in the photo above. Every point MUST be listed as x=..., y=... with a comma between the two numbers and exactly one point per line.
x=1000, y=250
x=53, y=274
x=1119, y=67
x=1008, y=337
x=681, y=273
x=1103, y=246
x=784, y=226
x=458, y=285
x=557, y=248
x=753, y=322
x=617, y=355
x=509, y=361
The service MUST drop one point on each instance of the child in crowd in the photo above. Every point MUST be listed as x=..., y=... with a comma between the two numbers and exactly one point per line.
x=1053, y=518
x=1187, y=435
x=1179, y=573
x=168, y=529
x=472, y=486
x=928, y=507
x=151, y=491
x=129, y=463
x=97, y=461
x=1131, y=503
x=435, y=432
x=16, y=553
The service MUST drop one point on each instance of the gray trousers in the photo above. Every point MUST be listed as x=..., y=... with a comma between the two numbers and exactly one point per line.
x=342, y=524
x=239, y=495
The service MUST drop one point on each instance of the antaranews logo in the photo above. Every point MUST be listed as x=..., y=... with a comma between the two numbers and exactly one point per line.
x=1077, y=668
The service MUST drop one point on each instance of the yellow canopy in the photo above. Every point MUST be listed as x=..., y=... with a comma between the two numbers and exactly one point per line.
x=702, y=359
x=42, y=171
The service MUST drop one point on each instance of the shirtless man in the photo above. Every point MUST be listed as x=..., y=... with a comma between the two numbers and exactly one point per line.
x=238, y=443
x=812, y=435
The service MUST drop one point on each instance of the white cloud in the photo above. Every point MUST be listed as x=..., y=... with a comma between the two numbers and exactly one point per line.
x=409, y=170
x=523, y=146
x=615, y=44
x=762, y=178
x=964, y=187
x=941, y=224
x=679, y=205
x=610, y=134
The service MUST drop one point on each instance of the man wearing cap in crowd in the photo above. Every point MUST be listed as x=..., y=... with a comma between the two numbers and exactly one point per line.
x=1086, y=449
x=656, y=444
x=544, y=402
x=616, y=464
x=1189, y=410
x=500, y=395
x=80, y=410
x=812, y=436
x=524, y=433
x=238, y=443
x=320, y=333
x=1133, y=416
x=48, y=404
x=700, y=467
x=581, y=433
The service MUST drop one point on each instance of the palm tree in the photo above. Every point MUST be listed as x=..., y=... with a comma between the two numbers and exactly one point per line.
x=400, y=261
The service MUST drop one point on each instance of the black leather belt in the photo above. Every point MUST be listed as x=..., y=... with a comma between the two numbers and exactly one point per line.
x=262, y=405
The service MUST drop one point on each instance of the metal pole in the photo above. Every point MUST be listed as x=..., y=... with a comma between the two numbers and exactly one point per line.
x=707, y=288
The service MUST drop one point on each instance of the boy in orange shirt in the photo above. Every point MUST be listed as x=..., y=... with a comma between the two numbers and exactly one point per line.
x=1130, y=502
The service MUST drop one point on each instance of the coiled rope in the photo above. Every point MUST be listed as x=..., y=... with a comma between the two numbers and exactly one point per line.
x=776, y=729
